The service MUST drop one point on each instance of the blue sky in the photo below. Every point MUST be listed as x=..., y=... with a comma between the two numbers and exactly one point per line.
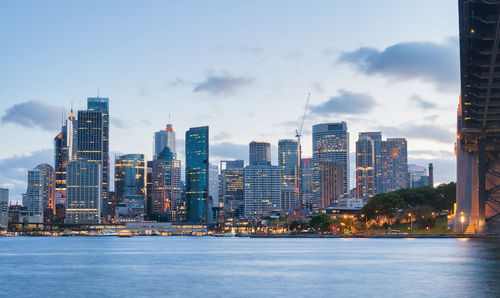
x=243, y=68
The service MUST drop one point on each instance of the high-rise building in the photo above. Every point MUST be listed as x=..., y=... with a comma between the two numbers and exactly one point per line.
x=84, y=193
x=166, y=185
x=231, y=164
x=262, y=191
x=130, y=183
x=331, y=181
x=415, y=175
x=289, y=198
x=164, y=138
x=330, y=143
x=65, y=150
x=197, y=174
x=394, y=166
x=33, y=200
x=259, y=153
x=307, y=183
x=101, y=104
x=232, y=189
x=49, y=191
x=4, y=208
x=368, y=167
x=289, y=162
x=213, y=184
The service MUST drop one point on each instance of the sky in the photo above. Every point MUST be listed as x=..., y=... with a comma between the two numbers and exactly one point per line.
x=242, y=67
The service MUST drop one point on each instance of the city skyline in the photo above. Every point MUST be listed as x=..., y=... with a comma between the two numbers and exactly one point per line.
x=229, y=95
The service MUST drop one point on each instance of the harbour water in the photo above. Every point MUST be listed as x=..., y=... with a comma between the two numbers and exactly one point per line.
x=245, y=267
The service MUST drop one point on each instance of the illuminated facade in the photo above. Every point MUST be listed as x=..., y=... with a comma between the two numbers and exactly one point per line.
x=232, y=189
x=33, y=200
x=166, y=185
x=65, y=150
x=101, y=104
x=289, y=162
x=331, y=182
x=84, y=193
x=368, y=164
x=262, y=191
x=197, y=174
x=330, y=143
x=164, y=138
x=231, y=164
x=130, y=183
x=259, y=153
x=213, y=184
x=49, y=191
x=4, y=208
x=394, y=165
x=307, y=183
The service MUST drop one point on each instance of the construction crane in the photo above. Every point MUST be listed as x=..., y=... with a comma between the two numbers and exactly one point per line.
x=298, y=132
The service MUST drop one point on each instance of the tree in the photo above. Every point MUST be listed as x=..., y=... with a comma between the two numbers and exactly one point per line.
x=321, y=222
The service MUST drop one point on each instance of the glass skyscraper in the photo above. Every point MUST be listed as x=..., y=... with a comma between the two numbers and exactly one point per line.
x=394, y=165
x=65, y=150
x=130, y=182
x=164, y=138
x=33, y=200
x=368, y=164
x=262, y=190
x=259, y=153
x=197, y=174
x=49, y=191
x=307, y=183
x=289, y=162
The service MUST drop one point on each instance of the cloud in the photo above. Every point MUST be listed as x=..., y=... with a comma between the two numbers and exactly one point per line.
x=222, y=84
x=228, y=150
x=120, y=123
x=422, y=103
x=34, y=113
x=14, y=170
x=423, y=131
x=444, y=169
x=432, y=62
x=345, y=103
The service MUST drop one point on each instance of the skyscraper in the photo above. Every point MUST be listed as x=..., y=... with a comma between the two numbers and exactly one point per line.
x=213, y=187
x=164, y=138
x=331, y=182
x=289, y=162
x=307, y=183
x=101, y=104
x=4, y=208
x=130, y=183
x=394, y=165
x=166, y=184
x=232, y=189
x=262, y=191
x=197, y=174
x=33, y=200
x=368, y=164
x=49, y=191
x=330, y=143
x=65, y=150
x=84, y=193
x=231, y=164
x=259, y=153
x=417, y=176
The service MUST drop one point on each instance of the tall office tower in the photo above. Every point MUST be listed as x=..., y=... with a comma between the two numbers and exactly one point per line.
x=164, y=138
x=101, y=104
x=84, y=193
x=307, y=183
x=416, y=174
x=166, y=184
x=33, y=201
x=232, y=189
x=4, y=208
x=431, y=175
x=231, y=164
x=368, y=158
x=213, y=184
x=49, y=191
x=262, y=191
x=197, y=174
x=394, y=165
x=91, y=144
x=331, y=182
x=65, y=150
x=259, y=153
x=330, y=143
x=289, y=163
x=130, y=183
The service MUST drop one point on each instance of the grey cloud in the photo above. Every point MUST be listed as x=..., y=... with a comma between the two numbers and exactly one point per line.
x=422, y=103
x=433, y=154
x=222, y=84
x=423, y=131
x=345, y=103
x=34, y=113
x=432, y=62
x=228, y=150
x=120, y=123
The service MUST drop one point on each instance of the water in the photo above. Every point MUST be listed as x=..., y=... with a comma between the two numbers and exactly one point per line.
x=244, y=267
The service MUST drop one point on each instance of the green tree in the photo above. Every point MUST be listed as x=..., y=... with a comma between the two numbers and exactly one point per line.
x=321, y=222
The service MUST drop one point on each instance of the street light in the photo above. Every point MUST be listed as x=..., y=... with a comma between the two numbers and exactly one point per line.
x=411, y=222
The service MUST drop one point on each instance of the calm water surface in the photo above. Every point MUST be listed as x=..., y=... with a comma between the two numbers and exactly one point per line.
x=244, y=267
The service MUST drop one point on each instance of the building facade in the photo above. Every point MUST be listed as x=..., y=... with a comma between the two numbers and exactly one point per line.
x=262, y=191
x=394, y=165
x=65, y=150
x=84, y=193
x=331, y=182
x=213, y=184
x=33, y=199
x=49, y=191
x=4, y=209
x=197, y=174
x=130, y=183
x=164, y=138
x=307, y=184
x=232, y=191
x=259, y=153
x=368, y=164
